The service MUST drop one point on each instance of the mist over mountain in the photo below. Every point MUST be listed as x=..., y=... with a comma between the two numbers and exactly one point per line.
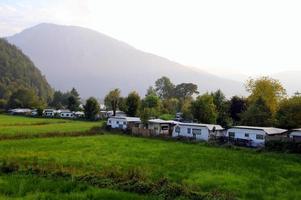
x=94, y=63
x=291, y=80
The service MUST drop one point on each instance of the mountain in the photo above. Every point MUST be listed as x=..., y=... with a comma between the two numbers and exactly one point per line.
x=94, y=63
x=17, y=71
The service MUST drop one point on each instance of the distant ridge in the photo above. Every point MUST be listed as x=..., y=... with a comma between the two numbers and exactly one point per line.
x=94, y=63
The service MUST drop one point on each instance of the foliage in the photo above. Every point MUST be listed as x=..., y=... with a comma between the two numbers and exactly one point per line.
x=151, y=101
x=69, y=99
x=73, y=100
x=24, y=98
x=164, y=87
x=18, y=72
x=122, y=104
x=258, y=114
x=91, y=108
x=238, y=105
x=204, y=110
x=167, y=117
x=185, y=90
x=171, y=105
x=186, y=109
x=222, y=108
x=289, y=113
x=270, y=90
x=112, y=99
x=283, y=146
x=151, y=91
x=132, y=104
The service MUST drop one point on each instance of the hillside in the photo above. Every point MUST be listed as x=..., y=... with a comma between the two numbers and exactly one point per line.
x=95, y=63
x=17, y=71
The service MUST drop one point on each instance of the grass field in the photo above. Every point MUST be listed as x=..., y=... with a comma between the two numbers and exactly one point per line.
x=12, y=126
x=245, y=173
x=110, y=161
x=17, y=187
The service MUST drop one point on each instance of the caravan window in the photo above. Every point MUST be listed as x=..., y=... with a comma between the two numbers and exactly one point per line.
x=246, y=134
x=124, y=123
x=259, y=137
x=117, y=122
x=188, y=130
x=231, y=134
x=197, y=131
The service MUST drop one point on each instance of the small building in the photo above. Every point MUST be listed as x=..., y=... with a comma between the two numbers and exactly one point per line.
x=79, y=114
x=20, y=111
x=122, y=122
x=161, y=127
x=66, y=114
x=295, y=134
x=252, y=136
x=34, y=112
x=49, y=112
x=197, y=131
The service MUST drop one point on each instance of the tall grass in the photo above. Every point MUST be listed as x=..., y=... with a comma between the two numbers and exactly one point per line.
x=18, y=127
x=17, y=186
x=247, y=174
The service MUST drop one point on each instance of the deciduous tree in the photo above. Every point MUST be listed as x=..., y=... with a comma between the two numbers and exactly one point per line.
x=111, y=100
x=91, y=108
x=132, y=104
x=269, y=90
x=204, y=110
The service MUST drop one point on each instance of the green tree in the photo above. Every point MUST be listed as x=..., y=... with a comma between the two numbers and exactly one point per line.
x=112, y=99
x=186, y=109
x=222, y=107
x=91, y=109
x=185, y=90
x=73, y=100
x=238, y=105
x=204, y=110
x=122, y=104
x=151, y=101
x=171, y=105
x=164, y=88
x=151, y=91
x=268, y=89
x=258, y=114
x=150, y=107
x=145, y=114
x=289, y=113
x=132, y=104
x=17, y=71
x=24, y=98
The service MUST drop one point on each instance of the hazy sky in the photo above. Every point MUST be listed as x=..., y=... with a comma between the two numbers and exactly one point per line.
x=233, y=36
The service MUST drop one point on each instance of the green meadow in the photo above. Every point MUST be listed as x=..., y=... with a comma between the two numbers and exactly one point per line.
x=28, y=187
x=117, y=166
x=14, y=126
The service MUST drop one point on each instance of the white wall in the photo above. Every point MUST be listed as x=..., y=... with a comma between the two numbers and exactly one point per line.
x=240, y=134
x=117, y=123
x=67, y=115
x=184, y=132
x=295, y=133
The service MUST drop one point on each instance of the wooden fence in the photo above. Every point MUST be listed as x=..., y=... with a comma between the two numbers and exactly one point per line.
x=143, y=132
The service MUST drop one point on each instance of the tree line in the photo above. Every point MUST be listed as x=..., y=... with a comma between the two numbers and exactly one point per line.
x=266, y=105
